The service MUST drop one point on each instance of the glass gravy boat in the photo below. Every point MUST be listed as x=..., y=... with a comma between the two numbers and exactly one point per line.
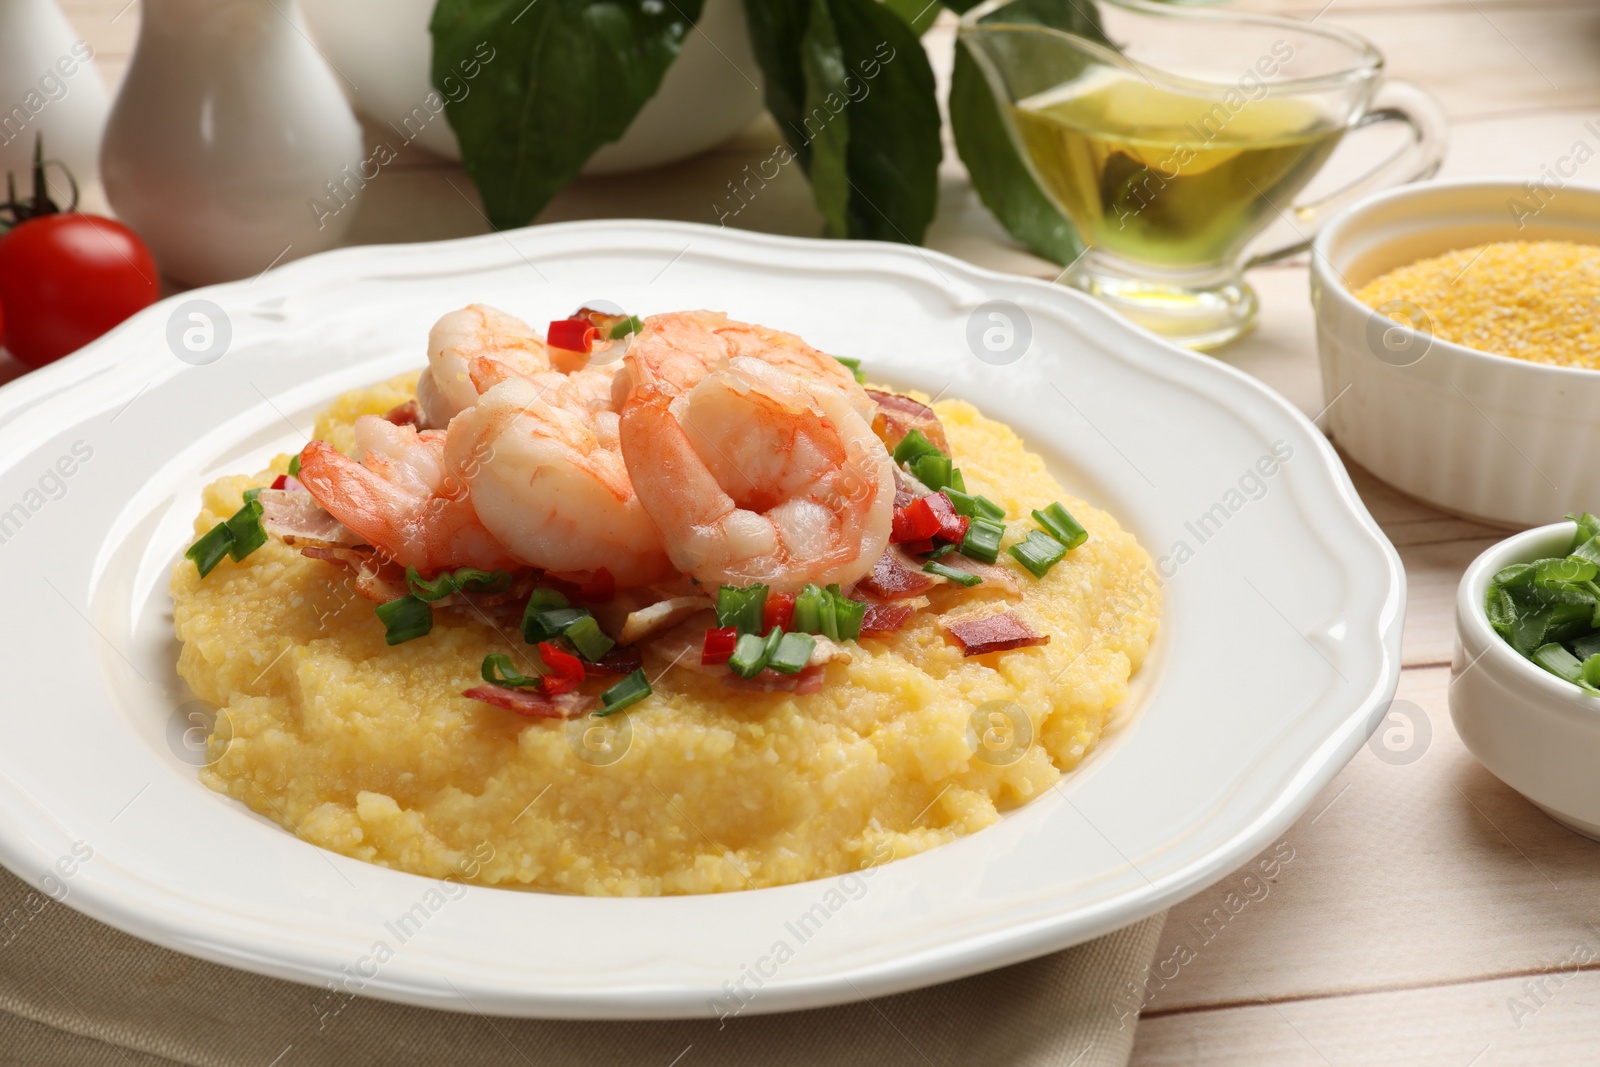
x=1172, y=137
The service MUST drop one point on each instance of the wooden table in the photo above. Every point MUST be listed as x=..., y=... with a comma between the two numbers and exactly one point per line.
x=1429, y=914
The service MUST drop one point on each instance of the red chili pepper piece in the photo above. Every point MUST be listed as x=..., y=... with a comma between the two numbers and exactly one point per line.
x=916, y=548
x=566, y=670
x=952, y=527
x=572, y=335
x=779, y=612
x=280, y=481
x=914, y=522
x=719, y=645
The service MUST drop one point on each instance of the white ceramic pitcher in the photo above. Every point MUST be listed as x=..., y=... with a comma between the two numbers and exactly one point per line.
x=48, y=85
x=230, y=147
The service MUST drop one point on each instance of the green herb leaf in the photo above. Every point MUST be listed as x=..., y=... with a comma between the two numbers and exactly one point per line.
x=463, y=580
x=855, y=368
x=626, y=693
x=497, y=670
x=550, y=83
x=852, y=91
x=919, y=14
x=741, y=608
x=1038, y=552
x=792, y=654
x=248, y=533
x=208, y=551
x=913, y=446
x=1059, y=523
x=749, y=655
x=1551, y=571
x=999, y=174
x=982, y=542
x=1588, y=529
x=405, y=619
x=956, y=575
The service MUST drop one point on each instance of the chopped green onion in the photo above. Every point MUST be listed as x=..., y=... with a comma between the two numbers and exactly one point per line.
x=855, y=368
x=982, y=542
x=1516, y=574
x=749, y=655
x=587, y=637
x=626, y=693
x=957, y=482
x=1502, y=611
x=294, y=466
x=631, y=324
x=912, y=445
x=545, y=625
x=974, y=507
x=251, y=494
x=940, y=552
x=792, y=654
x=963, y=577
x=248, y=533
x=1564, y=570
x=1588, y=529
x=497, y=670
x=209, y=550
x=1038, y=552
x=1584, y=647
x=1588, y=551
x=741, y=608
x=463, y=580
x=1558, y=661
x=1591, y=671
x=1060, y=524
x=808, y=607
x=405, y=619
x=847, y=615
x=932, y=471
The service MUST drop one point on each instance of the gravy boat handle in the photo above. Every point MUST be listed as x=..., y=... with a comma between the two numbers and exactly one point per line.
x=1419, y=158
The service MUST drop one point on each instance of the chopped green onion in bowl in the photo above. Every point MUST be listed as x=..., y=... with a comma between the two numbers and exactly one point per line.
x=1548, y=610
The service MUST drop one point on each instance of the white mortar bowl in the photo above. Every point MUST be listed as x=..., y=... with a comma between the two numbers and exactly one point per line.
x=1535, y=732
x=1492, y=438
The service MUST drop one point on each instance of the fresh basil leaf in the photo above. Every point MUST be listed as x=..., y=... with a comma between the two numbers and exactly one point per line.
x=557, y=79
x=850, y=86
x=1000, y=176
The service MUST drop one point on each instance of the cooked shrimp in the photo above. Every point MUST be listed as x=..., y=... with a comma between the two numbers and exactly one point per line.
x=555, y=490
x=756, y=474
x=404, y=498
x=680, y=348
x=458, y=338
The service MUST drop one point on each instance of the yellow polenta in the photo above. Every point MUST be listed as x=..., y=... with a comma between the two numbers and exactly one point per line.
x=372, y=751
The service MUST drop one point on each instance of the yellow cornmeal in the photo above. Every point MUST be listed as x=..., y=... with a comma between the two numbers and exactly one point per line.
x=371, y=751
x=1532, y=300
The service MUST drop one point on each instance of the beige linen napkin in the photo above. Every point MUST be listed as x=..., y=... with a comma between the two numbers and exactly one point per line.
x=75, y=992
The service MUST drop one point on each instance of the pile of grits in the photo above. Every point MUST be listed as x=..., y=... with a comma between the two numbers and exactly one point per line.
x=372, y=751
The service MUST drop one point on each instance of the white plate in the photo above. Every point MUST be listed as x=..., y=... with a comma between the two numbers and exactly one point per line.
x=1279, y=640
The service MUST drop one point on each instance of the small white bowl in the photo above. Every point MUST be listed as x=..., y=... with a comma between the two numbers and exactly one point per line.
x=1485, y=436
x=1536, y=733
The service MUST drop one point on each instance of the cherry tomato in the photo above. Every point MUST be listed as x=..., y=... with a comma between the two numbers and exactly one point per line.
x=67, y=279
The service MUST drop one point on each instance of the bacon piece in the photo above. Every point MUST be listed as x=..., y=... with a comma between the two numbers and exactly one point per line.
x=808, y=680
x=407, y=414
x=978, y=635
x=622, y=659
x=296, y=519
x=896, y=576
x=881, y=620
x=899, y=415
x=994, y=575
x=377, y=581
x=660, y=616
x=531, y=703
